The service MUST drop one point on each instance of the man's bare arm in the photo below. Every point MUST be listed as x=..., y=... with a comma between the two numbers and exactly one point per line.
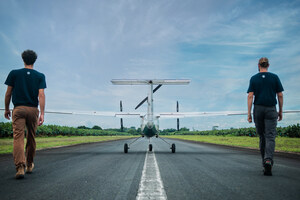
x=280, y=104
x=42, y=100
x=250, y=101
x=7, y=102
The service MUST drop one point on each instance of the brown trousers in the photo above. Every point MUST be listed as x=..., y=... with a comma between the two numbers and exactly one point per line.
x=24, y=116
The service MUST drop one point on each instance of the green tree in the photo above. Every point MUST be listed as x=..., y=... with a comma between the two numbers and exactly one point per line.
x=83, y=127
x=97, y=127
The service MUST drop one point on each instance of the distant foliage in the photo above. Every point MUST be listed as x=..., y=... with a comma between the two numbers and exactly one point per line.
x=234, y=132
x=97, y=128
x=292, y=131
x=54, y=130
x=6, y=129
x=289, y=131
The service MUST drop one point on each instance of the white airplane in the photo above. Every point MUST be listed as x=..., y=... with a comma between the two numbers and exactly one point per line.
x=149, y=124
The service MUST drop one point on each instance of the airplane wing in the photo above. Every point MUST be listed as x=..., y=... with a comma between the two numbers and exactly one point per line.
x=97, y=113
x=100, y=113
x=208, y=114
x=160, y=115
x=199, y=114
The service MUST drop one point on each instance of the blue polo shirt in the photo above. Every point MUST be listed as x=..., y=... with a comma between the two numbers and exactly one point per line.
x=26, y=84
x=265, y=86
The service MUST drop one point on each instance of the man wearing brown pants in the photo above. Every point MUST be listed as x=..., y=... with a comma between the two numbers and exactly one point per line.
x=26, y=87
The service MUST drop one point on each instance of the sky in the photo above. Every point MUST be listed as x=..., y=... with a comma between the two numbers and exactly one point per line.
x=82, y=45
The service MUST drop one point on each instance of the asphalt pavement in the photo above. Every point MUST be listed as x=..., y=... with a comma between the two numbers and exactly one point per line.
x=195, y=171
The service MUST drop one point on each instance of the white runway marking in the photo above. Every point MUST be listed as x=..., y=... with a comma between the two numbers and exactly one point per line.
x=151, y=185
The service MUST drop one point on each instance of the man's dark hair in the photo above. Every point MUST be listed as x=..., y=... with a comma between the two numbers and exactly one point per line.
x=29, y=57
x=264, y=62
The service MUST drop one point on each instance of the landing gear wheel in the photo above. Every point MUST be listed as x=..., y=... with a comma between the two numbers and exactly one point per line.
x=126, y=148
x=150, y=147
x=173, y=147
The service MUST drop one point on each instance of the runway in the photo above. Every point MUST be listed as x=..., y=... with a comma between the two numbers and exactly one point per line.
x=195, y=171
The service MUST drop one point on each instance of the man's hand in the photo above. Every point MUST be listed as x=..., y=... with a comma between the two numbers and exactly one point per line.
x=249, y=102
x=41, y=120
x=280, y=104
x=7, y=114
x=42, y=106
x=279, y=115
x=249, y=118
x=7, y=98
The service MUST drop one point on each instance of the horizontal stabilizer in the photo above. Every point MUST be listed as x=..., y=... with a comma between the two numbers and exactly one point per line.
x=149, y=81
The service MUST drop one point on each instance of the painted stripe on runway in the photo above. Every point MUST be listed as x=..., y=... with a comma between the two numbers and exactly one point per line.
x=151, y=185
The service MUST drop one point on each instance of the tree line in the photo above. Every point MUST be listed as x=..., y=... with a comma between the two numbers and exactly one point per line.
x=55, y=130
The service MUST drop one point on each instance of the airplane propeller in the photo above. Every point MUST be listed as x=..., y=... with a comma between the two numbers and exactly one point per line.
x=121, y=120
x=155, y=89
x=177, y=109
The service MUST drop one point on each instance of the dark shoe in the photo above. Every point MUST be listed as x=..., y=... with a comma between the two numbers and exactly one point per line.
x=29, y=168
x=20, y=173
x=268, y=168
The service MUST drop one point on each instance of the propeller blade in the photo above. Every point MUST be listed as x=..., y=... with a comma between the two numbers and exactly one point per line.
x=122, y=127
x=177, y=109
x=141, y=103
x=121, y=120
x=155, y=89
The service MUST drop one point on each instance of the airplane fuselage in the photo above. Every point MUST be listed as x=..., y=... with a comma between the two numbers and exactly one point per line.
x=150, y=129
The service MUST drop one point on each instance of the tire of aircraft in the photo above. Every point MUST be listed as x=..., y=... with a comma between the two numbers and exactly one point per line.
x=150, y=147
x=173, y=148
x=125, y=148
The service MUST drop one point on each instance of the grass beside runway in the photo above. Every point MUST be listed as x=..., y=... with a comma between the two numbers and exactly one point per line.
x=283, y=144
x=6, y=144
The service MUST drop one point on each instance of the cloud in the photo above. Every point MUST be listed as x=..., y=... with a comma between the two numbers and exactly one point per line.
x=83, y=45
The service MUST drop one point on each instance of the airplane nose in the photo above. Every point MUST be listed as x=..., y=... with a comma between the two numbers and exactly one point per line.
x=149, y=126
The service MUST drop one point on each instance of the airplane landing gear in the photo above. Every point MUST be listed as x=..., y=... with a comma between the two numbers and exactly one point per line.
x=173, y=147
x=150, y=147
x=126, y=148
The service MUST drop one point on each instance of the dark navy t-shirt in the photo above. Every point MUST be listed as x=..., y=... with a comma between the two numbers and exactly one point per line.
x=26, y=84
x=265, y=86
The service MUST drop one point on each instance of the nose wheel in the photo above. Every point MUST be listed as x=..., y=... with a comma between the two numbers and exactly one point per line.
x=150, y=147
